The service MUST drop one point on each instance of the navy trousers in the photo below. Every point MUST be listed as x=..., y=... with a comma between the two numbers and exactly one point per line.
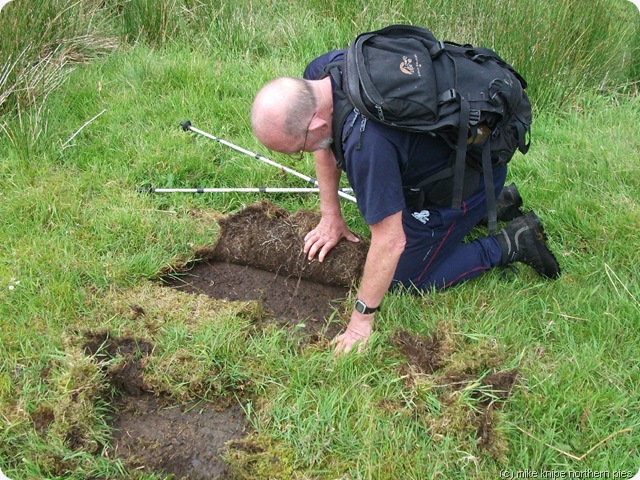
x=436, y=255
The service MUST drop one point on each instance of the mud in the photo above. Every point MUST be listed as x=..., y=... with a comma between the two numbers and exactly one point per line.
x=426, y=354
x=488, y=392
x=258, y=256
x=153, y=434
x=305, y=306
x=124, y=376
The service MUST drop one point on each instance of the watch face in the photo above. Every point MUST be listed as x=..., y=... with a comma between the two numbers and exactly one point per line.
x=360, y=306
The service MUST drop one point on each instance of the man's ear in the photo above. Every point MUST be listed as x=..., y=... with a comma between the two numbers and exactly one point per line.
x=318, y=124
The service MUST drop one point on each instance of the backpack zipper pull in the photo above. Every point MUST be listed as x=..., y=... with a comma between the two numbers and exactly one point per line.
x=363, y=124
x=350, y=127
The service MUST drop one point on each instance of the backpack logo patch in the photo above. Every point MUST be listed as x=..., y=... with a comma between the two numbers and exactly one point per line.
x=410, y=67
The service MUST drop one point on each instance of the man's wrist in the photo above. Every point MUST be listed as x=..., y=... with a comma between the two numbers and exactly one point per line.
x=331, y=212
x=364, y=309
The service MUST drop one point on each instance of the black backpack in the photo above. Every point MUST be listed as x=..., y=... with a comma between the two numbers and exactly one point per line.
x=402, y=76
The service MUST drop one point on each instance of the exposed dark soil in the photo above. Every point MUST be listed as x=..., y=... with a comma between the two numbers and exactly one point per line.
x=431, y=355
x=427, y=354
x=153, y=435
x=126, y=375
x=258, y=256
x=290, y=301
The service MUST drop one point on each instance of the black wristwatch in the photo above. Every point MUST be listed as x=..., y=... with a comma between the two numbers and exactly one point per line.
x=361, y=307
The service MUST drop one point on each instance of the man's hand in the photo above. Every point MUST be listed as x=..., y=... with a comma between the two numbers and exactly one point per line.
x=357, y=333
x=326, y=235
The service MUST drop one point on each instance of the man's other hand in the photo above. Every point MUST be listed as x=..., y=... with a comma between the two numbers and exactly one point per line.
x=326, y=235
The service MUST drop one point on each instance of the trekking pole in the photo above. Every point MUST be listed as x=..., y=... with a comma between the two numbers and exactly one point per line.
x=186, y=125
x=230, y=190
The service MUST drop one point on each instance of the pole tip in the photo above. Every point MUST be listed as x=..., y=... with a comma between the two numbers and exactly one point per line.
x=186, y=125
x=148, y=188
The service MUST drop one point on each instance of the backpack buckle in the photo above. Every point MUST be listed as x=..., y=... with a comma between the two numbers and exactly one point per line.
x=449, y=95
x=437, y=49
x=479, y=58
x=474, y=116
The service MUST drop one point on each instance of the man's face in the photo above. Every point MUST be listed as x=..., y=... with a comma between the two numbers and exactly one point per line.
x=312, y=141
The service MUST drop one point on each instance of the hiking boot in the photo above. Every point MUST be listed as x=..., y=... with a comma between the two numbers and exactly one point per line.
x=523, y=240
x=508, y=204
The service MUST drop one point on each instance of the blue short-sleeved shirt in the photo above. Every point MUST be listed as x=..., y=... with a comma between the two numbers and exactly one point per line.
x=379, y=160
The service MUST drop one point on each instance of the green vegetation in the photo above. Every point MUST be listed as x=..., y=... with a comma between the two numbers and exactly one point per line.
x=91, y=95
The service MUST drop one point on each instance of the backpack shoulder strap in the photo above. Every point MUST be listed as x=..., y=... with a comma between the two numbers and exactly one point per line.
x=341, y=110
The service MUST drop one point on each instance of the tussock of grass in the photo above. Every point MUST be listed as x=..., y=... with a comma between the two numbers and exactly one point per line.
x=32, y=66
x=68, y=417
x=199, y=345
x=258, y=458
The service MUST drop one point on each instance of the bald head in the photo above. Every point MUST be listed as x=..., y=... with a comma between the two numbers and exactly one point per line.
x=281, y=113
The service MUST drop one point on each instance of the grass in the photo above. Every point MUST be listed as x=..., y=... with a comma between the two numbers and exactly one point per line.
x=79, y=244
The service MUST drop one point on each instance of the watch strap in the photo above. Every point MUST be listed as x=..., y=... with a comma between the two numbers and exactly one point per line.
x=362, y=307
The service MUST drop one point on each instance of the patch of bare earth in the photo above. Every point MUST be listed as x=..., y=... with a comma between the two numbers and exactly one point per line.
x=291, y=302
x=155, y=435
x=152, y=433
x=258, y=256
x=432, y=355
